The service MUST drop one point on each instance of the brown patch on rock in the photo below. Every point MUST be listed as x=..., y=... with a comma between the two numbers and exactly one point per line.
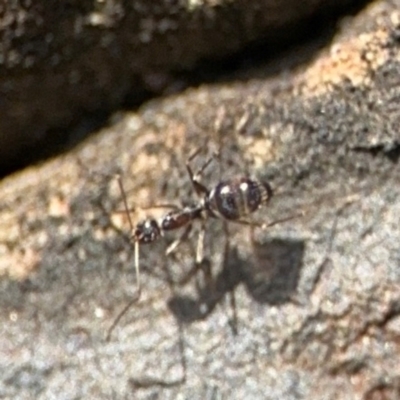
x=19, y=264
x=351, y=60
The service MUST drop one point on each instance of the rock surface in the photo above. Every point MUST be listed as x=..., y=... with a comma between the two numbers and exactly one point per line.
x=64, y=65
x=317, y=298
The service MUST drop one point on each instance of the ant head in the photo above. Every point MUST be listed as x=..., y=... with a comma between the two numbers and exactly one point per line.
x=147, y=231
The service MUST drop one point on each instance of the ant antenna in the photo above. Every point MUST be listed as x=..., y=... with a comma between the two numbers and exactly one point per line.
x=136, y=250
x=136, y=263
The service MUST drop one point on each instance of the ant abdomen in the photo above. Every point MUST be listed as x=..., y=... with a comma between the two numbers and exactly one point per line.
x=236, y=198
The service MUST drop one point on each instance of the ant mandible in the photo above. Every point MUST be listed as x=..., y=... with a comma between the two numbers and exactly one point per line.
x=230, y=200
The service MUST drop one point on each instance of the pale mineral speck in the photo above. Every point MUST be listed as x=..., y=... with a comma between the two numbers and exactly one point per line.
x=58, y=207
x=13, y=316
x=99, y=312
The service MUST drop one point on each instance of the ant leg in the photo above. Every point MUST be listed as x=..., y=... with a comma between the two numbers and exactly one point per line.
x=170, y=206
x=195, y=177
x=198, y=261
x=171, y=248
x=233, y=321
x=200, y=246
x=280, y=221
x=347, y=200
x=269, y=224
x=156, y=206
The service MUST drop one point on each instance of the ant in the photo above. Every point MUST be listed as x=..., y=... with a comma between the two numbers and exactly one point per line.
x=230, y=200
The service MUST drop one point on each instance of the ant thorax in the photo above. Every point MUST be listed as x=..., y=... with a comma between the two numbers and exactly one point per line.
x=179, y=218
x=236, y=198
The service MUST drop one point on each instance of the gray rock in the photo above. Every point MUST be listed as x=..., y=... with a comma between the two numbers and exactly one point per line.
x=66, y=65
x=317, y=297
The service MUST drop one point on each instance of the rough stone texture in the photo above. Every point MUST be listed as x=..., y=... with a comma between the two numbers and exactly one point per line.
x=317, y=297
x=63, y=60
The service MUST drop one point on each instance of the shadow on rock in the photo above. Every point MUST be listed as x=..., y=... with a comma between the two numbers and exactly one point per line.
x=271, y=277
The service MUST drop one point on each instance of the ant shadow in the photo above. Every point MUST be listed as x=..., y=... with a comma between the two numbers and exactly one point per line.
x=271, y=276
